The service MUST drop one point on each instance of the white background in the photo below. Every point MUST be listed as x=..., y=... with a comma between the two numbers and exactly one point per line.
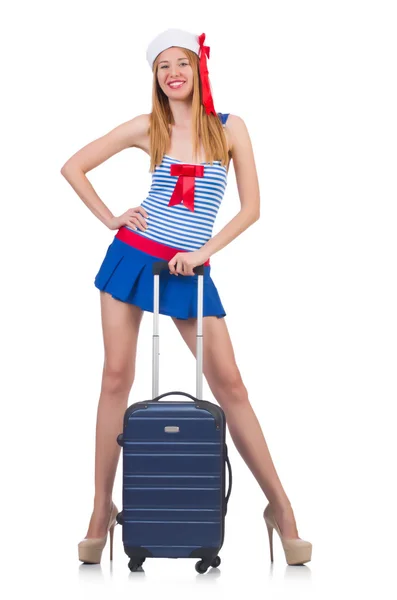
x=310, y=290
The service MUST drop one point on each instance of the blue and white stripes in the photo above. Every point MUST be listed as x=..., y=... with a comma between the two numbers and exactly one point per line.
x=177, y=226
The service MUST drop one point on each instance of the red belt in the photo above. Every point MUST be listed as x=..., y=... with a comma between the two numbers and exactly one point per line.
x=149, y=246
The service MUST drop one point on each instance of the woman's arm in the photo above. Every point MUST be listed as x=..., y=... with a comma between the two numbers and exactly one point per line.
x=247, y=185
x=127, y=135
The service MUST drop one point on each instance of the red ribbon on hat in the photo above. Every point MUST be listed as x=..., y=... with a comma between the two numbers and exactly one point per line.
x=184, y=188
x=204, y=51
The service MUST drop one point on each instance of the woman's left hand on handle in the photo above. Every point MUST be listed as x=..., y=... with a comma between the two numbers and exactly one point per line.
x=184, y=262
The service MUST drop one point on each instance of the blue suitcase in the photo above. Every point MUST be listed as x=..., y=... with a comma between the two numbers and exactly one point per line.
x=174, y=466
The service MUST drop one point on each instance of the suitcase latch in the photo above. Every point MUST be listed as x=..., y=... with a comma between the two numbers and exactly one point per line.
x=171, y=429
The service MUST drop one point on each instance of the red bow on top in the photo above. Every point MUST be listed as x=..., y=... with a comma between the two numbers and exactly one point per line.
x=184, y=188
x=207, y=100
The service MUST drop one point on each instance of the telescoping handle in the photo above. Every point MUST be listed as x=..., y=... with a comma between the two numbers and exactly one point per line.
x=159, y=266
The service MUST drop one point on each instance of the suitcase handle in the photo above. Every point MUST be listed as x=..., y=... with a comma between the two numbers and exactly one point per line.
x=172, y=394
x=162, y=265
x=230, y=480
x=157, y=267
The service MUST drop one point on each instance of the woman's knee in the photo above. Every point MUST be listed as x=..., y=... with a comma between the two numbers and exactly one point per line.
x=117, y=378
x=227, y=385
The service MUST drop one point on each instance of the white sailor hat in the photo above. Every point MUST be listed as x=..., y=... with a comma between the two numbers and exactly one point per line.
x=169, y=38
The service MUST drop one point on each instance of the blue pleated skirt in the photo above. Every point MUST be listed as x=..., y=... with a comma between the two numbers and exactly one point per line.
x=126, y=274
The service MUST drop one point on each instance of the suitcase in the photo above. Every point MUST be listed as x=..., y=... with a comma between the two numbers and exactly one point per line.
x=174, y=466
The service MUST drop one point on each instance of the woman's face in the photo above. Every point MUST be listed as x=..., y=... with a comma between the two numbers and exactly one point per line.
x=174, y=68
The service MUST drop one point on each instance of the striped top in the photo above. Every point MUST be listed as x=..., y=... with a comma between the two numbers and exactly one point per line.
x=176, y=225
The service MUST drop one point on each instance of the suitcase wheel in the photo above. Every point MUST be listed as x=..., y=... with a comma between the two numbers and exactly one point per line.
x=202, y=566
x=135, y=563
x=216, y=562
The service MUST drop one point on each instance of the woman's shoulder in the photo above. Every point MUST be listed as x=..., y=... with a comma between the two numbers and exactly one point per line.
x=232, y=125
x=135, y=130
x=235, y=125
x=230, y=120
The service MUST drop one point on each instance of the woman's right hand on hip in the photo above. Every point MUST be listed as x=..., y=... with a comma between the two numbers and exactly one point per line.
x=133, y=217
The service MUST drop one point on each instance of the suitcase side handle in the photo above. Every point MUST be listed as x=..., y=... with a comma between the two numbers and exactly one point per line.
x=230, y=480
x=172, y=394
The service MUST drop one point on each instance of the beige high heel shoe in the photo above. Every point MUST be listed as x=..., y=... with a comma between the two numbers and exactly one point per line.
x=90, y=549
x=296, y=551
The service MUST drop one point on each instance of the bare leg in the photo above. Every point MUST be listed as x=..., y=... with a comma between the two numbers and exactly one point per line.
x=224, y=380
x=120, y=324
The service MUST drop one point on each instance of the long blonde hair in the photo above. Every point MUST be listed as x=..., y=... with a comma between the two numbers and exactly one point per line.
x=205, y=128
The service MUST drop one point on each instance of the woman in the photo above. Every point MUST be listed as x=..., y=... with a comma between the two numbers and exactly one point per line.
x=175, y=223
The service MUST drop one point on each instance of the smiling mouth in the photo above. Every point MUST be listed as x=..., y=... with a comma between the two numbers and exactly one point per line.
x=176, y=86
